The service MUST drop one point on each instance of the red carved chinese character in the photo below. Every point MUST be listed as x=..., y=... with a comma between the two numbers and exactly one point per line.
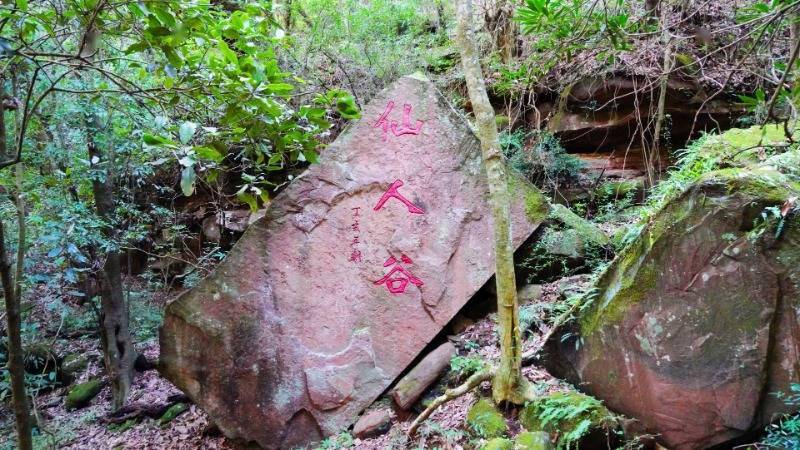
x=397, y=129
x=392, y=192
x=398, y=278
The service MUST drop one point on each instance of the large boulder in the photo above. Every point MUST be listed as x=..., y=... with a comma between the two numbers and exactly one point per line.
x=696, y=324
x=356, y=266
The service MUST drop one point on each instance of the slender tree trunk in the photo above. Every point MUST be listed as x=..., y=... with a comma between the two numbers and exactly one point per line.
x=654, y=158
x=16, y=366
x=20, y=200
x=506, y=34
x=287, y=19
x=651, y=8
x=508, y=383
x=118, y=353
x=115, y=336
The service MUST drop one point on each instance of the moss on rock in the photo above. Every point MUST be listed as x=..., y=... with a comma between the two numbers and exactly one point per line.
x=74, y=363
x=486, y=420
x=82, y=394
x=498, y=444
x=584, y=228
x=533, y=440
x=569, y=414
x=171, y=413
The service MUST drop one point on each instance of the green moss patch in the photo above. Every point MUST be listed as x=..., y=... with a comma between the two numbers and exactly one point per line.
x=485, y=420
x=172, y=412
x=81, y=395
x=584, y=228
x=498, y=444
x=533, y=440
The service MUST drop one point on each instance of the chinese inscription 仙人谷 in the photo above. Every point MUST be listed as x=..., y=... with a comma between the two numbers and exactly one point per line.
x=397, y=129
x=398, y=278
x=392, y=192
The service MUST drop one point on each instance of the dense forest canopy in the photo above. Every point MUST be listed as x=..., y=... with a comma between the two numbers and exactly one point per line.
x=139, y=140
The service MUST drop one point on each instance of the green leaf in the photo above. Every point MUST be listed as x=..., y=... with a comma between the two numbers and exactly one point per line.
x=209, y=153
x=136, y=47
x=172, y=56
x=22, y=5
x=188, y=178
x=310, y=156
x=347, y=108
x=250, y=199
x=280, y=88
x=226, y=51
x=186, y=131
x=150, y=139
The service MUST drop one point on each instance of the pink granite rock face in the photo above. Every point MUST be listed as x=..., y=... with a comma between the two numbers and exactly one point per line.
x=356, y=266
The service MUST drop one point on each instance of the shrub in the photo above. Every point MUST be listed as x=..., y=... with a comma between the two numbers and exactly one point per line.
x=539, y=157
x=570, y=414
x=786, y=432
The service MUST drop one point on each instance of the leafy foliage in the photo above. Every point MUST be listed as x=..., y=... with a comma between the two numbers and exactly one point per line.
x=464, y=366
x=571, y=414
x=786, y=432
x=562, y=28
x=539, y=156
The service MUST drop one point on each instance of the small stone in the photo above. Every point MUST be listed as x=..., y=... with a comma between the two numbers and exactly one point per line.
x=533, y=440
x=82, y=394
x=373, y=423
x=486, y=420
x=414, y=384
x=529, y=293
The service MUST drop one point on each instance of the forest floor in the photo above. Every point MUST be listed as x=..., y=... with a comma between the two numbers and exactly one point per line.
x=89, y=427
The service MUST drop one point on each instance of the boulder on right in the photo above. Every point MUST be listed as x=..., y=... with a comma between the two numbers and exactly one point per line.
x=696, y=323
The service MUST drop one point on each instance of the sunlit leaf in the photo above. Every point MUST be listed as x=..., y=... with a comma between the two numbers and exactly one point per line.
x=188, y=178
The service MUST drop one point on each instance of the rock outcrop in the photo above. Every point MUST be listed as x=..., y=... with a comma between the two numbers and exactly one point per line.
x=353, y=270
x=697, y=323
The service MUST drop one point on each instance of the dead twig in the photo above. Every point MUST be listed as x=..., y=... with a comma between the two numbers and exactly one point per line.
x=451, y=394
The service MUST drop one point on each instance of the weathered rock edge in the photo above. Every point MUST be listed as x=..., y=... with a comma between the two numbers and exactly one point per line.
x=280, y=345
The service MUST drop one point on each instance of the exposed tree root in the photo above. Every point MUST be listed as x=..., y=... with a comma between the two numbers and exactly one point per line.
x=451, y=394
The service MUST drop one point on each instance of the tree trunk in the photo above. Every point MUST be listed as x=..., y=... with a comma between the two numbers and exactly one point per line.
x=651, y=8
x=287, y=19
x=16, y=366
x=508, y=383
x=118, y=353
x=654, y=158
x=506, y=37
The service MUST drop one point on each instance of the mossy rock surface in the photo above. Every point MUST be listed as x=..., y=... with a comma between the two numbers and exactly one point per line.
x=701, y=307
x=485, y=420
x=80, y=395
x=583, y=227
x=498, y=444
x=533, y=440
x=74, y=363
x=172, y=412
